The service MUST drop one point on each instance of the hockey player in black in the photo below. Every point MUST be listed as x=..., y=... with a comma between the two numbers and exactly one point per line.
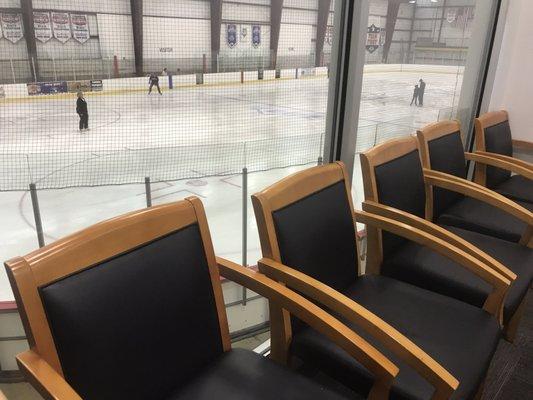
x=81, y=109
x=415, y=96
x=421, y=91
x=154, y=81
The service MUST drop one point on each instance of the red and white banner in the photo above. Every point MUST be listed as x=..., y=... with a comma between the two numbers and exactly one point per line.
x=12, y=27
x=80, y=27
x=61, y=26
x=42, y=26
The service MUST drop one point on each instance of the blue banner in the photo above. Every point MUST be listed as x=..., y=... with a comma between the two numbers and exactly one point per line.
x=232, y=35
x=256, y=35
x=47, y=88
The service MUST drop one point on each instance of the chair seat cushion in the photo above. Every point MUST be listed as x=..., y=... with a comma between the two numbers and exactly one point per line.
x=478, y=216
x=517, y=188
x=461, y=337
x=243, y=375
x=425, y=268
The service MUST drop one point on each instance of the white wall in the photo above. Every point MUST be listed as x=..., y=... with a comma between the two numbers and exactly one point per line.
x=245, y=14
x=513, y=83
x=188, y=38
x=233, y=12
x=177, y=8
x=116, y=36
x=10, y=3
x=95, y=6
x=296, y=40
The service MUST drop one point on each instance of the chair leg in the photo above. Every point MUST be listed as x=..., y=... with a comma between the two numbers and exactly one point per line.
x=511, y=328
x=280, y=334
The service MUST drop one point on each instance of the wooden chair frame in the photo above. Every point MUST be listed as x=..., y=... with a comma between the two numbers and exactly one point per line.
x=464, y=186
x=490, y=270
x=391, y=150
x=302, y=184
x=484, y=158
x=102, y=241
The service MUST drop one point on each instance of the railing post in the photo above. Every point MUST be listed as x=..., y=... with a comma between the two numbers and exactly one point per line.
x=148, y=190
x=13, y=71
x=37, y=214
x=34, y=70
x=244, y=227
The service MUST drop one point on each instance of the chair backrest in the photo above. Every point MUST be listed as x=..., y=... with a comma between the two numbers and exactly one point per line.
x=306, y=221
x=130, y=308
x=393, y=176
x=441, y=149
x=493, y=134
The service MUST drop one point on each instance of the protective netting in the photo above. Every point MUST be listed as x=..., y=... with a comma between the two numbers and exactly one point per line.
x=230, y=99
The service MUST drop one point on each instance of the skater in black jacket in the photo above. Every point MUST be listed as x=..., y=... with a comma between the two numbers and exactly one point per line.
x=421, y=91
x=415, y=96
x=154, y=81
x=81, y=109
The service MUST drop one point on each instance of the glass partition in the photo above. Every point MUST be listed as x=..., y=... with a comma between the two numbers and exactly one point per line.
x=110, y=106
x=424, y=62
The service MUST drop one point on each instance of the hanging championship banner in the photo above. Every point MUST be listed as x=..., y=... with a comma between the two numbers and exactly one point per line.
x=328, y=37
x=232, y=35
x=61, y=26
x=451, y=15
x=12, y=27
x=80, y=27
x=256, y=35
x=42, y=26
x=373, y=38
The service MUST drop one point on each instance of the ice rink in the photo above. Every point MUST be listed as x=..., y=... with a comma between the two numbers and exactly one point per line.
x=190, y=141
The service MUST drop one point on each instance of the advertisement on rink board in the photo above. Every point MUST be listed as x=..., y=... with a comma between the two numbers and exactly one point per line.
x=76, y=86
x=12, y=26
x=97, y=85
x=47, y=88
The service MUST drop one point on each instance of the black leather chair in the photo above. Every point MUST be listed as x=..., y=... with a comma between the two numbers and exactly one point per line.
x=308, y=239
x=132, y=308
x=454, y=201
x=494, y=145
x=395, y=188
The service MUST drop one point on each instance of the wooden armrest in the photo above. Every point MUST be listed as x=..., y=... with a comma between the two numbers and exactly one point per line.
x=500, y=284
x=382, y=368
x=513, y=160
x=444, y=383
x=498, y=162
x=49, y=383
x=439, y=232
x=471, y=189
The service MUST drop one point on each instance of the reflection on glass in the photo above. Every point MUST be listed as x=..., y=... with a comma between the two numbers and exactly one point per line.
x=417, y=55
